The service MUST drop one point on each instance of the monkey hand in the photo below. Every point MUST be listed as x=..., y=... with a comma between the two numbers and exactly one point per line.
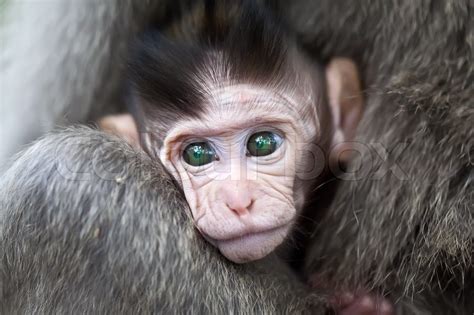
x=353, y=302
x=361, y=304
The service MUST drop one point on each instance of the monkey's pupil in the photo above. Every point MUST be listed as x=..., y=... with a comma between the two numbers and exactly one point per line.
x=198, y=154
x=263, y=143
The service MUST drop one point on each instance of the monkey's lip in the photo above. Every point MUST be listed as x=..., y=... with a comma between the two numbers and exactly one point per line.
x=247, y=234
x=252, y=246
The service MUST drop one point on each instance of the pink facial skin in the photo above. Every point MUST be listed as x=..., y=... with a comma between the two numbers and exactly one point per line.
x=244, y=205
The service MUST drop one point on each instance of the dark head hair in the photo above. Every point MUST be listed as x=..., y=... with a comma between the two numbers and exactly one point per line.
x=171, y=67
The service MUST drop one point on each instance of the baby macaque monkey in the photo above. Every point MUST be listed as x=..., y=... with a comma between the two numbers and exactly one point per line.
x=245, y=123
x=241, y=118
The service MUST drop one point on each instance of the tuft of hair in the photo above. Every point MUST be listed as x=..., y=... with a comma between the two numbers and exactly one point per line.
x=216, y=43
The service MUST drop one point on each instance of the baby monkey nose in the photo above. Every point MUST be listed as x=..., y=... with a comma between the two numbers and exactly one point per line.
x=237, y=197
x=241, y=206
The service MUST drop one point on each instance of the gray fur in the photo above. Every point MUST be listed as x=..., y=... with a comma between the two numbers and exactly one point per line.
x=412, y=238
x=113, y=235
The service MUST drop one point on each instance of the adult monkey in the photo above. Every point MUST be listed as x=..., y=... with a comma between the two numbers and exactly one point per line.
x=369, y=48
x=408, y=226
x=84, y=226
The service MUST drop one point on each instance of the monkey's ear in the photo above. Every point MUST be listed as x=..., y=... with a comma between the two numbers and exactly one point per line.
x=346, y=102
x=122, y=125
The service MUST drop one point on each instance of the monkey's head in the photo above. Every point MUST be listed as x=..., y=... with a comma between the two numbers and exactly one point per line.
x=241, y=120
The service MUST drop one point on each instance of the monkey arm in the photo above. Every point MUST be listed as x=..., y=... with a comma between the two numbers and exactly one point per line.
x=87, y=224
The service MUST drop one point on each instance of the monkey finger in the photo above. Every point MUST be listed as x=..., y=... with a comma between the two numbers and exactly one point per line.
x=368, y=305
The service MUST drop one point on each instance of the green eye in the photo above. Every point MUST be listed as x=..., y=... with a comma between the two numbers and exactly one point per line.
x=198, y=154
x=263, y=143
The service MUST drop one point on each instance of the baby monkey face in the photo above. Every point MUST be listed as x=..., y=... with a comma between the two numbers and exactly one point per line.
x=244, y=158
x=237, y=166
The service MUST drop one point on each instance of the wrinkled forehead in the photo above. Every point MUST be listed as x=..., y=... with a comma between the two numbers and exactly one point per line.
x=240, y=99
x=238, y=107
x=235, y=104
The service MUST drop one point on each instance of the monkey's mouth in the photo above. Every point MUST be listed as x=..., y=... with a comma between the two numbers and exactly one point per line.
x=245, y=234
x=251, y=246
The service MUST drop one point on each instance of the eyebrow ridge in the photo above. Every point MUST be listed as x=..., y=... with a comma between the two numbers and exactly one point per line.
x=213, y=131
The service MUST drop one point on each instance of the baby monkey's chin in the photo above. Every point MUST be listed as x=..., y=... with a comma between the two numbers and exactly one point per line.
x=252, y=246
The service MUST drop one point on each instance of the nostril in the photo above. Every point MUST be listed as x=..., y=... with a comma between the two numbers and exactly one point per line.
x=236, y=196
x=240, y=208
x=250, y=203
